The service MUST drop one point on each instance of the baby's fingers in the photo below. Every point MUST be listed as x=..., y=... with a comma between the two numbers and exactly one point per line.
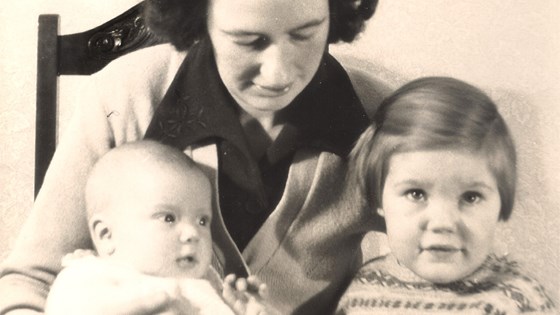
x=256, y=286
x=230, y=279
x=241, y=284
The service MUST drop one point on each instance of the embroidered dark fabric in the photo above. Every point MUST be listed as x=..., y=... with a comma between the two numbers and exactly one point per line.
x=197, y=109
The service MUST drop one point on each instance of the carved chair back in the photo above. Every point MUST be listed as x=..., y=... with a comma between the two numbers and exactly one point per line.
x=77, y=54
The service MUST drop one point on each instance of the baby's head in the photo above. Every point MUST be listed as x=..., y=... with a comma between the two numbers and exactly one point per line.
x=150, y=206
x=439, y=164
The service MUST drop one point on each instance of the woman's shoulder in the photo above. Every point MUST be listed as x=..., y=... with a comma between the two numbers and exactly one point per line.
x=151, y=68
x=371, y=82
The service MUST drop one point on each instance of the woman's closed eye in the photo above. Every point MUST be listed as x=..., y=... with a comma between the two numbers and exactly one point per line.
x=302, y=36
x=253, y=41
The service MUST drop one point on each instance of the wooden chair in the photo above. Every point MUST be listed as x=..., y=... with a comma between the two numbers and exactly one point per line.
x=77, y=54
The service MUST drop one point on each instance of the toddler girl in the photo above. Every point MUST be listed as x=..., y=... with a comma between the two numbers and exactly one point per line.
x=439, y=165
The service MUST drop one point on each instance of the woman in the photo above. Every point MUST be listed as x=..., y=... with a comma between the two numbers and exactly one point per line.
x=258, y=100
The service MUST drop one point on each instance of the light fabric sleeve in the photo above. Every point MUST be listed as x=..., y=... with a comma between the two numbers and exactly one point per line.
x=115, y=107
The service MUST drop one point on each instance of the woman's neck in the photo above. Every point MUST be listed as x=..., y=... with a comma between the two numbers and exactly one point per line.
x=260, y=131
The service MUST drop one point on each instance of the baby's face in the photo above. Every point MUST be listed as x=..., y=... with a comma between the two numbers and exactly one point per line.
x=441, y=210
x=161, y=223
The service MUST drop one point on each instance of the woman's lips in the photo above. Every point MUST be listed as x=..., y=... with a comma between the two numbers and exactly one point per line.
x=269, y=90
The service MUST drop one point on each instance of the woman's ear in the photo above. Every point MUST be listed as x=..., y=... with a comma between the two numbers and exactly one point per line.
x=381, y=212
x=101, y=235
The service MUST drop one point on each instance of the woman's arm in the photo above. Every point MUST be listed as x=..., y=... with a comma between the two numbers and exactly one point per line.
x=115, y=107
x=57, y=224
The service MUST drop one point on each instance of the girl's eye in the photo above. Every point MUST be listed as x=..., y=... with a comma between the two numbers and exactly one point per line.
x=472, y=197
x=415, y=194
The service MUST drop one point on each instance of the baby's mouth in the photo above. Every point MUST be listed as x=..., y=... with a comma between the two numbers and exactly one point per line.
x=187, y=261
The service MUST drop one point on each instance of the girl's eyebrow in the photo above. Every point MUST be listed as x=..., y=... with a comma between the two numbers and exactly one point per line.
x=481, y=185
x=409, y=182
x=310, y=24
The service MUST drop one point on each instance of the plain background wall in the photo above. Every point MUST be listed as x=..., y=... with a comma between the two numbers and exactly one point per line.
x=511, y=49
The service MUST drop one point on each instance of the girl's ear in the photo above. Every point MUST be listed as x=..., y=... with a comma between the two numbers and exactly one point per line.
x=101, y=235
x=381, y=212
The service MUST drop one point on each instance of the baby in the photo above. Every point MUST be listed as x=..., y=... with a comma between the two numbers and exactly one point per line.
x=149, y=209
x=439, y=165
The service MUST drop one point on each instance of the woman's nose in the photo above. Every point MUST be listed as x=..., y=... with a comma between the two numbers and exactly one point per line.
x=276, y=67
x=188, y=234
x=443, y=217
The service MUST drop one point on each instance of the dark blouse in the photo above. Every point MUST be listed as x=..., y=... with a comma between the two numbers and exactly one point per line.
x=197, y=110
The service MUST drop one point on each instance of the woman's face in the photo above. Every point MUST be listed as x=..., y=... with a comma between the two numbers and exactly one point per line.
x=267, y=51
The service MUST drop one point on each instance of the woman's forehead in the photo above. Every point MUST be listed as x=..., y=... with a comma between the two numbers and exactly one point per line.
x=251, y=15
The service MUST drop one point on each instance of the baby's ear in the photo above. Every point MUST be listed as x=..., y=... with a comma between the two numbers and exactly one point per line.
x=101, y=235
x=381, y=212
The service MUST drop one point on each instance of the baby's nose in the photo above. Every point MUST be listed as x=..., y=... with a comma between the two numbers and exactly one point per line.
x=189, y=234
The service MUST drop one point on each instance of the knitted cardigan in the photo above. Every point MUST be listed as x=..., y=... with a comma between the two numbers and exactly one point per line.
x=498, y=287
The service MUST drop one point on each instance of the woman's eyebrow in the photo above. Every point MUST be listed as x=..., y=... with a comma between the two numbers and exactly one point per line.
x=310, y=24
x=239, y=33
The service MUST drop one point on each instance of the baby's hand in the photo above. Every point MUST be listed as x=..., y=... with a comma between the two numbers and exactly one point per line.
x=245, y=296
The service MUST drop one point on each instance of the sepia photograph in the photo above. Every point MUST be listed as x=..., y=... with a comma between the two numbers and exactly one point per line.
x=279, y=157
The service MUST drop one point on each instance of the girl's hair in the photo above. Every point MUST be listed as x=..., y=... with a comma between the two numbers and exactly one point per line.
x=430, y=114
x=183, y=22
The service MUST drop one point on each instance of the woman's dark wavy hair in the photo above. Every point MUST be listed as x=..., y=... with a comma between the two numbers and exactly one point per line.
x=183, y=22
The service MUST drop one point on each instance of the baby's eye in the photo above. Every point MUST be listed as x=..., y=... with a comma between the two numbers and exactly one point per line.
x=203, y=221
x=415, y=194
x=472, y=197
x=168, y=218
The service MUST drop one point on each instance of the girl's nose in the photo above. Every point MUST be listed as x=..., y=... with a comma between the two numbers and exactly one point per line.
x=188, y=234
x=276, y=67
x=443, y=217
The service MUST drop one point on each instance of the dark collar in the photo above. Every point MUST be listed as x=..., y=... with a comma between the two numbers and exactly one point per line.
x=327, y=114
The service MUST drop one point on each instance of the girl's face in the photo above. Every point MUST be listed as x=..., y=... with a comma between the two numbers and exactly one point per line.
x=267, y=51
x=441, y=208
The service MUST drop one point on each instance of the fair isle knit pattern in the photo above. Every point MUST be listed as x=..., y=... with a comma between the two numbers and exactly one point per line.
x=498, y=287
